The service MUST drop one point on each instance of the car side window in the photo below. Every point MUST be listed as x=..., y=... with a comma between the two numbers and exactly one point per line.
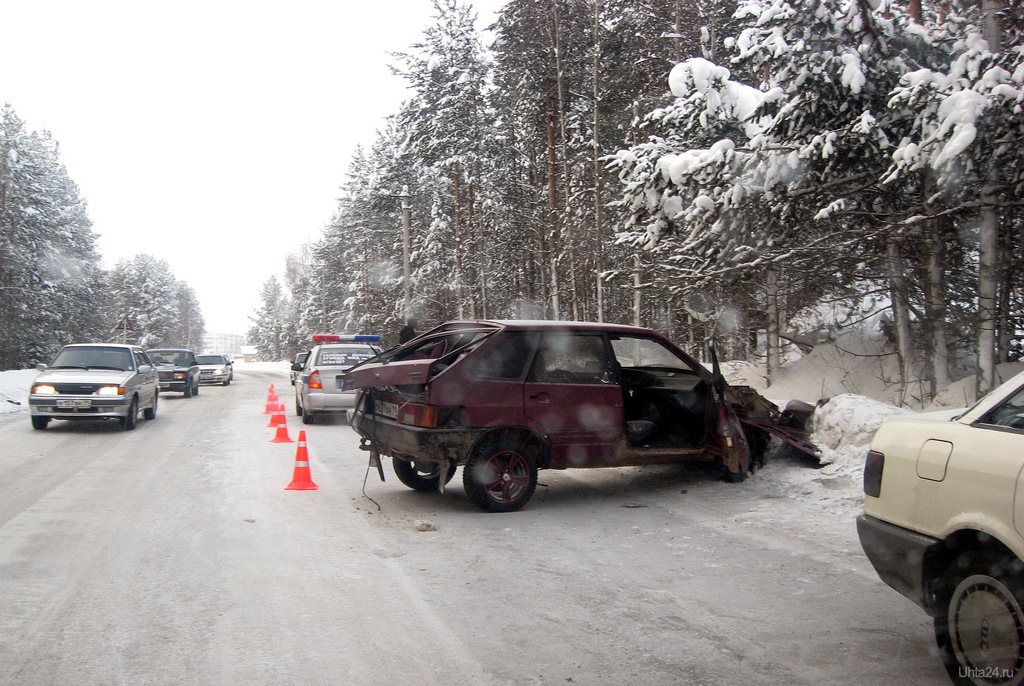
x=507, y=360
x=569, y=357
x=1008, y=414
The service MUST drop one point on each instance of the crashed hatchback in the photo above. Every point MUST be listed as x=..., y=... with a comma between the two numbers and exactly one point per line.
x=503, y=399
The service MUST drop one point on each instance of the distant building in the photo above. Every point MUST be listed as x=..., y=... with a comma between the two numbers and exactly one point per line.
x=223, y=343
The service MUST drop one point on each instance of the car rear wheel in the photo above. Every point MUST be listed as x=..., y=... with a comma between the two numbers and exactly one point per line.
x=981, y=634
x=128, y=422
x=308, y=418
x=420, y=475
x=500, y=475
x=40, y=423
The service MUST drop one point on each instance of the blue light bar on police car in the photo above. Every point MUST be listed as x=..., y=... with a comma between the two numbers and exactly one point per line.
x=347, y=338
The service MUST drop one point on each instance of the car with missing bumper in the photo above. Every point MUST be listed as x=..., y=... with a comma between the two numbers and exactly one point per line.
x=318, y=382
x=943, y=524
x=95, y=381
x=215, y=369
x=178, y=370
x=503, y=399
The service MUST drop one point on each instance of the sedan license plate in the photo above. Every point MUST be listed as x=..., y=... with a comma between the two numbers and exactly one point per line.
x=389, y=410
x=79, y=403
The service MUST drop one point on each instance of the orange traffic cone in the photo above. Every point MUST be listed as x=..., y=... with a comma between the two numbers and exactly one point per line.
x=271, y=401
x=301, y=478
x=282, y=434
x=278, y=418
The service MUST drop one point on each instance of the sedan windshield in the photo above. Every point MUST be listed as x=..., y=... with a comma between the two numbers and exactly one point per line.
x=93, y=358
x=209, y=359
x=174, y=357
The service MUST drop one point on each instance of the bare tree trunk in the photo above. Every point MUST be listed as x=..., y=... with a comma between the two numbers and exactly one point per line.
x=598, y=200
x=552, y=210
x=568, y=245
x=460, y=287
x=637, y=282
x=935, y=300
x=772, y=347
x=988, y=257
x=900, y=307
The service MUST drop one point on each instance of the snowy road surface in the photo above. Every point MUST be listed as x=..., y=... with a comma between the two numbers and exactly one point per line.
x=173, y=555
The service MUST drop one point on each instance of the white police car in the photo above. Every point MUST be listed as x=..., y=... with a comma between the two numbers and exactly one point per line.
x=318, y=385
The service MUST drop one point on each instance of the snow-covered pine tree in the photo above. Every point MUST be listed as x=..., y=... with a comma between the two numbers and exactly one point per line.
x=143, y=291
x=746, y=179
x=48, y=261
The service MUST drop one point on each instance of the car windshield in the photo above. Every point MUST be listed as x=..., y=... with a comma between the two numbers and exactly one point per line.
x=87, y=357
x=175, y=357
x=209, y=359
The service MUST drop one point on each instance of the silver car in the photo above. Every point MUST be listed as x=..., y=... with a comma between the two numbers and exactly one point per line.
x=95, y=381
x=215, y=369
x=318, y=385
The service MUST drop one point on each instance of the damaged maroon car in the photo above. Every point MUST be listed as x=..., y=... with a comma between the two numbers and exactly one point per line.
x=503, y=399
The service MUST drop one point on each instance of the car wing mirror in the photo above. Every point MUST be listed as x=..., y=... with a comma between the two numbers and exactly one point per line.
x=40, y=367
x=297, y=367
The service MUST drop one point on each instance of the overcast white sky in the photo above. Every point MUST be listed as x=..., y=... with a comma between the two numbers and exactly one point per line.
x=212, y=134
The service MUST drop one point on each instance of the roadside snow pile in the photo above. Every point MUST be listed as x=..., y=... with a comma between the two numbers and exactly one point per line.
x=843, y=428
x=14, y=386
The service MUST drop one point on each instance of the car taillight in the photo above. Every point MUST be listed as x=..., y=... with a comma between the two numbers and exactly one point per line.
x=424, y=416
x=873, y=466
x=314, y=380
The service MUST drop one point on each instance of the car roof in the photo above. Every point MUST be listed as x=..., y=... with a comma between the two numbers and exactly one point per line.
x=126, y=346
x=547, y=324
x=168, y=350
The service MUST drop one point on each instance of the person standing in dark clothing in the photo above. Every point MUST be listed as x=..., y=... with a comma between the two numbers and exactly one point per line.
x=408, y=331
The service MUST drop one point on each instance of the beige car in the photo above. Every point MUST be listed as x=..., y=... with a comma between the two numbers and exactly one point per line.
x=942, y=524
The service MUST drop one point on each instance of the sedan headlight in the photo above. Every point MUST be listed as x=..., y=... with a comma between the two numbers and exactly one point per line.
x=110, y=390
x=44, y=389
x=179, y=376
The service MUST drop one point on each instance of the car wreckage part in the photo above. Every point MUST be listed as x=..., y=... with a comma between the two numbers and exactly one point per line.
x=420, y=475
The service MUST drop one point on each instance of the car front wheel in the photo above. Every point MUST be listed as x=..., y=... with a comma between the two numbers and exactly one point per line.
x=150, y=412
x=128, y=421
x=40, y=423
x=981, y=634
x=500, y=475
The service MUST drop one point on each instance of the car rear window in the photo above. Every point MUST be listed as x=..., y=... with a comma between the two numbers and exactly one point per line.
x=344, y=357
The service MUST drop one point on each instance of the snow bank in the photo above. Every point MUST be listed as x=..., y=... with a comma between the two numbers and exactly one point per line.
x=14, y=387
x=843, y=428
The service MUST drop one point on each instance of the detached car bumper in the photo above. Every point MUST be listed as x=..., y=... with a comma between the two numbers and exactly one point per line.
x=78, y=407
x=898, y=555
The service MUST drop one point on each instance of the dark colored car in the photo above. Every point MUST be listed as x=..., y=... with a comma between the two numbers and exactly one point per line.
x=178, y=370
x=503, y=399
x=95, y=381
